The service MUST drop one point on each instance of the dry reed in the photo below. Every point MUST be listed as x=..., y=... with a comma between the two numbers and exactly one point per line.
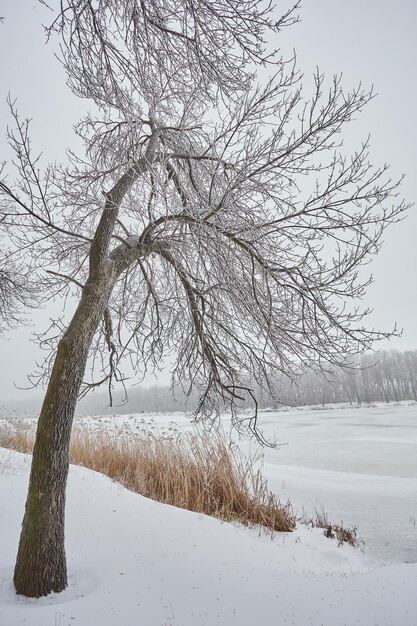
x=200, y=472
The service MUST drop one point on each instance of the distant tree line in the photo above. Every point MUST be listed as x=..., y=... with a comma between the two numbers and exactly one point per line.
x=388, y=376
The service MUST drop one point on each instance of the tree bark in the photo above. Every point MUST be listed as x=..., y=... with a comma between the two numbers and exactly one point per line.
x=41, y=564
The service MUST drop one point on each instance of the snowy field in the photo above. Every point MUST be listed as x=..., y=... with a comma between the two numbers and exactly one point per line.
x=135, y=562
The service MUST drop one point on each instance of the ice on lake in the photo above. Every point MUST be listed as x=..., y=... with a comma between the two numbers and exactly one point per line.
x=358, y=464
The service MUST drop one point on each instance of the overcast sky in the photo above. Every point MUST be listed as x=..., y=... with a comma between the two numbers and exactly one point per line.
x=372, y=41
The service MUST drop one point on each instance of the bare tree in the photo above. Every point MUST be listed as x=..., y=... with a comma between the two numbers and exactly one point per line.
x=210, y=218
x=16, y=288
x=12, y=296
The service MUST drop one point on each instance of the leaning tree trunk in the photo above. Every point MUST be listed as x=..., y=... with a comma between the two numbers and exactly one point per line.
x=41, y=563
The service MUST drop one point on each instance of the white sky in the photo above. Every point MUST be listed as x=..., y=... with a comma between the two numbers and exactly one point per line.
x=372, y=41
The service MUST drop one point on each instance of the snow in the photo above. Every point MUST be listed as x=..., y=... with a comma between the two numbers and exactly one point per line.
x=133, y=561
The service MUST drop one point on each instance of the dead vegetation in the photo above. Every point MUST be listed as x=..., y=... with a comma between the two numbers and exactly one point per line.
x=340, y=532
x=199, y=472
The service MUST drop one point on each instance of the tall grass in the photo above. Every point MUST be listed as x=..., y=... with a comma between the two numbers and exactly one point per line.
x=200, y=472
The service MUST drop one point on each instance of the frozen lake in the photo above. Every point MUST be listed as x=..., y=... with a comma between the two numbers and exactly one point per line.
x=358, y=464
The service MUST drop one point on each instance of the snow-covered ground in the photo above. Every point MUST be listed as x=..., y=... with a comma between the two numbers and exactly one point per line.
x=136, y=562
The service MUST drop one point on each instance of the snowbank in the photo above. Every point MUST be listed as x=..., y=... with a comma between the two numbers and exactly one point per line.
x=136, y=562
